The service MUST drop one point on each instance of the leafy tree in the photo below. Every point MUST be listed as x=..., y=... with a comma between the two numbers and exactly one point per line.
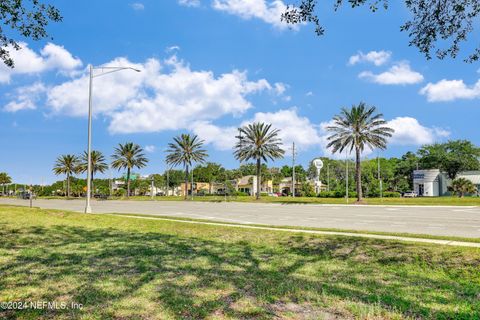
x=210, y=172
x=404, y=170
x=4, y=179
x=462, y=186
x=26, y=18
x=175, y=178
x=128, y=156
x=67, y=164
x=451, y=157
x=357, y=128
x=185, y=150
x=99, y=163
x=433, y=22
x=258, y=141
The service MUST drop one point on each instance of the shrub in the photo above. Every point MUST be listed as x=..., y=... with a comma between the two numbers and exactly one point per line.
x=392, y=194
x=332, y=194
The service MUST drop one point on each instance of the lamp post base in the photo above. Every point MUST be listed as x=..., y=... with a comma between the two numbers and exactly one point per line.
x=88, y=209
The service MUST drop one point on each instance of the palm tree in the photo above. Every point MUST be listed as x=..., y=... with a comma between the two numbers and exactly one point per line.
x=4, y=180
x=357, y=128
x=128, y=156
x=258, y=141
x=98, y=163
x=462, y=186
x=66, y=164
x=185, y=150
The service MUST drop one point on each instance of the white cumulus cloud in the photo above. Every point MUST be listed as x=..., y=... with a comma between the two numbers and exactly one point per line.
x=293, y=128
x=399, y=74
x=138, y=6
x=450, y=90
x=189, y=3
x=150, y=148
x=165, y=95
x=267, y=11
x=378, y=58
x=27, y=61
x=408, y=131
x=26, y=97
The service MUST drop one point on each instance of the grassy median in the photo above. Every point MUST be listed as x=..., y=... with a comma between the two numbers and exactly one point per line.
x=120, y=268
x=432, y=201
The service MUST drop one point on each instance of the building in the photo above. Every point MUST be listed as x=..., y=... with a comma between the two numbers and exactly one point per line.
x=248, y=185
x=198, y=188
x=285, y=186
x=434, y=183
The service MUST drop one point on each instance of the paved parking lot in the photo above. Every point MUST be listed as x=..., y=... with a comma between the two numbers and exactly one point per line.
x=448, y=221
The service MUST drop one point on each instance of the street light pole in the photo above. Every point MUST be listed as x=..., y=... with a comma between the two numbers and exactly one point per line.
x=88, y=208
x=293, y=170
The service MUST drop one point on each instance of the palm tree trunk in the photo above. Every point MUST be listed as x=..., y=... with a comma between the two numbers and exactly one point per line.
x=186, y=182
x=358, y=173
x=258, y=178
x=68, y=185
x=128, y=183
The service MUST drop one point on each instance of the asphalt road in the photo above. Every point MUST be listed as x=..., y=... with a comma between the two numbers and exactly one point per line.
x=447, y=221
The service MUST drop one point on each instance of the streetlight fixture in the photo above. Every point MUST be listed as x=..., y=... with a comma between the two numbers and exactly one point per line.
x=88, y=208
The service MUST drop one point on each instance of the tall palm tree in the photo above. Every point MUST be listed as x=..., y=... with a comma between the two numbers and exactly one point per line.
x=99, y=163
x=66, y=164
x=258, y=141
x=128, y=156
x=185, y=150
x=4, y=180
x=357, y=128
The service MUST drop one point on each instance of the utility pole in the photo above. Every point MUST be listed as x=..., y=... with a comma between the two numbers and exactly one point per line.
x=293, y=170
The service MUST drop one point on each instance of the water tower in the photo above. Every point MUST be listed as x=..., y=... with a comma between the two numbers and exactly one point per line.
x=318, y=163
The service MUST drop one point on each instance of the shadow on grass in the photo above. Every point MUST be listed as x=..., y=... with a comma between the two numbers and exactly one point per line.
x=119, y=274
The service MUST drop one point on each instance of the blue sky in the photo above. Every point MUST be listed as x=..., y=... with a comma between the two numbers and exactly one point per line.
x=209, y=66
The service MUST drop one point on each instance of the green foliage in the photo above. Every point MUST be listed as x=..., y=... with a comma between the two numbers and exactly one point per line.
x=98, y=162
x=128, y=156
x=258, y=141
x=463, y=186
x=25, y=18
x=355, y=129
x=306, y=190
x=5, y=178
x=433, y=23
x=390, y=194
x=210, y=172
x=185, y=150
x=451, y=157
x=67, y=164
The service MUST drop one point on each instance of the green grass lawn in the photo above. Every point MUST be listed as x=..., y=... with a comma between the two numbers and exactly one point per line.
x=446, y=201
x=121, y=268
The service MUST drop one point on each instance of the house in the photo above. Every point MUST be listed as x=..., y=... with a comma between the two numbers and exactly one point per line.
x=198, y=187
x=285, y=185
x=434, y=183
x=248, y=185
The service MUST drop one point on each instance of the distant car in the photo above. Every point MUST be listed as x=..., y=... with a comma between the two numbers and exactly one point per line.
x=273, y=194
x=410, y=194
